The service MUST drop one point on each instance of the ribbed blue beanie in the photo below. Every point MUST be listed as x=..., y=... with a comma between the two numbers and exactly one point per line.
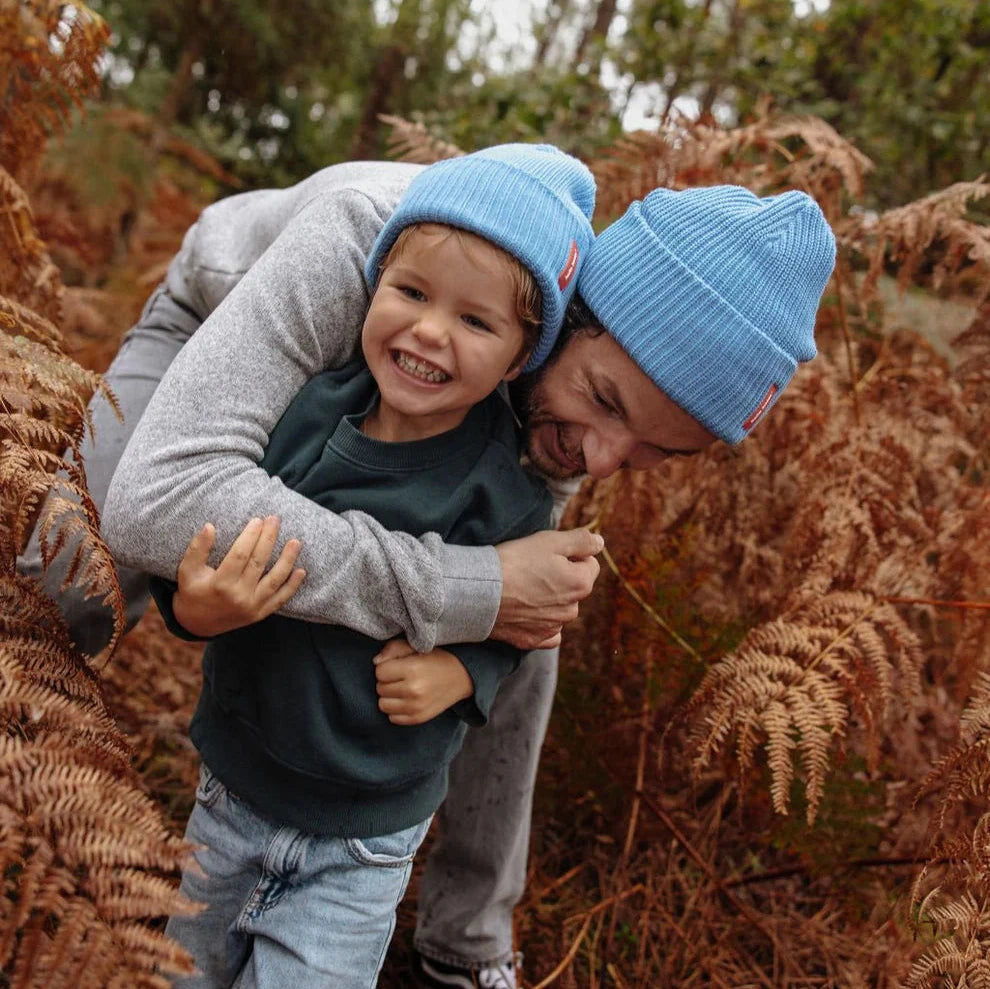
x=532, y=200
x=713, y=293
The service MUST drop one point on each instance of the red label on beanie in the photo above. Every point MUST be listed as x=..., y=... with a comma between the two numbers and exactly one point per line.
x=570, y=266
x=757, y=414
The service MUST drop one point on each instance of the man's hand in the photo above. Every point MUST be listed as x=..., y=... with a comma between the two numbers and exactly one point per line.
x=544, y=576
x=415, y=687
x=239, y=592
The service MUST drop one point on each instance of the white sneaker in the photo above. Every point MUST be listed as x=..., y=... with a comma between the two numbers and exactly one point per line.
x=439, y=975
x=499, y=977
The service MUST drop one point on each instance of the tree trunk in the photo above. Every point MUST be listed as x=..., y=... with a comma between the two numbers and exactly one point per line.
x=178, y=91
x=383, y=81
x=597, y=33
x=549, y=32
x=684, y=63
x=715, y=84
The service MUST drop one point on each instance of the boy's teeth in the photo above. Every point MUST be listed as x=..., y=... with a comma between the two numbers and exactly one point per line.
x=420, y=368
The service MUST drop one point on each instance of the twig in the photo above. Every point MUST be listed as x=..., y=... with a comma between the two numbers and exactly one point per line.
x=561, y=880
x=635, y=595
x=690, y=943
x=797, y=870
x=645, y=731
x=751, y=915
x=588, y=915
x=568, y=958
x=979, y=605
x=876, y=366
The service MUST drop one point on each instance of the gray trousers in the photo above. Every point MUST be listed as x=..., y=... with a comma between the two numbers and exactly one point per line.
x=476, y=870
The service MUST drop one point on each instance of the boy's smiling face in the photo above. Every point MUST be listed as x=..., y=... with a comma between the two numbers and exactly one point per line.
x=440, y=334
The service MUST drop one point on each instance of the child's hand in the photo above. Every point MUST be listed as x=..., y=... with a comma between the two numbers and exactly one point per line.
x=415, y=687
x=239, y=592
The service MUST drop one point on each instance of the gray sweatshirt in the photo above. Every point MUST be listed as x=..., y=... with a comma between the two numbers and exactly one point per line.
x=277, y=276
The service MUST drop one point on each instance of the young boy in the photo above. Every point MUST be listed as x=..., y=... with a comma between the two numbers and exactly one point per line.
x=322, y=767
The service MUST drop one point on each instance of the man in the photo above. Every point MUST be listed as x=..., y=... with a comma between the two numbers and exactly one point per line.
x=707, y=299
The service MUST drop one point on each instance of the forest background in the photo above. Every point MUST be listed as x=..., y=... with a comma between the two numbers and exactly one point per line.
x=768, y=764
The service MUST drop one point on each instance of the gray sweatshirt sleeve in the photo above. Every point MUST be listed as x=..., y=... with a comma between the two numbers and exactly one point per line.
x=193, y=456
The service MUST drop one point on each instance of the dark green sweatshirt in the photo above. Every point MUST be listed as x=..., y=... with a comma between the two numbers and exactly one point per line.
x=288, y=717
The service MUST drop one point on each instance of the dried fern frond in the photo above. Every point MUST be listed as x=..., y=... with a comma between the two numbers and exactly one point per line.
x=49, y=63
x=26, y=270
x=960, y=954
x=410, y=141
x=19, y=320
x=867, y=527
x=44, y=398
x=972, y=347
x=87, y=859
x=44, y=384
x=972, y=373
x=774, y=152
x=908, y=235
x=795, y=683
x=963, y=773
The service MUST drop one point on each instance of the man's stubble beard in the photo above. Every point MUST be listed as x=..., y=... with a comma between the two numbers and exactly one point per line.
x=528, y=393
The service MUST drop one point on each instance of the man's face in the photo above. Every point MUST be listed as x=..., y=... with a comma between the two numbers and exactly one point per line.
x=593, y=411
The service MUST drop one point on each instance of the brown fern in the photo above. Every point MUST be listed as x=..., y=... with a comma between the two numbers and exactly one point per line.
x=410, y=141
x=27, y=274
x=84, y=850
x=40, y=82
x=972, y=373
x=933, y=230
x=43, y=412
x=774, y=152
x=89, y=866
x=962, y=778
x=960, y=951
x=795, y=683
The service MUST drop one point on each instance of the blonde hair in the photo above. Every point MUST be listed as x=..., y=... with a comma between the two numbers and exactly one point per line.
x=526, y=295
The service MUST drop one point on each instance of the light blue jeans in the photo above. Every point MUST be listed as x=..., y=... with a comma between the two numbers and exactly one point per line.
x=285, y=908
x=476, y=870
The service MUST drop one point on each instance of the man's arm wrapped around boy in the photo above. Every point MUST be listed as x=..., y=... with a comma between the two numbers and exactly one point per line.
x=194, y=455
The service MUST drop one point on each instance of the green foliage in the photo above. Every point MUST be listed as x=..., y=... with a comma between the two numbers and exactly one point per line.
x=715, y=54
x=564, y=108
x=125, y=162
x=908, y=84
x=276, y=93
x=239, y=74
x=905, y=82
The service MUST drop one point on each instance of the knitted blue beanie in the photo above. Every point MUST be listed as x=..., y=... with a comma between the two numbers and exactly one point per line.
x=531, y=200
x=713, y=293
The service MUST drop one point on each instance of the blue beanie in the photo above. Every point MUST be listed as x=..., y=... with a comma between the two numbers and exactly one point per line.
x=713, y=293
x=532, y=200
